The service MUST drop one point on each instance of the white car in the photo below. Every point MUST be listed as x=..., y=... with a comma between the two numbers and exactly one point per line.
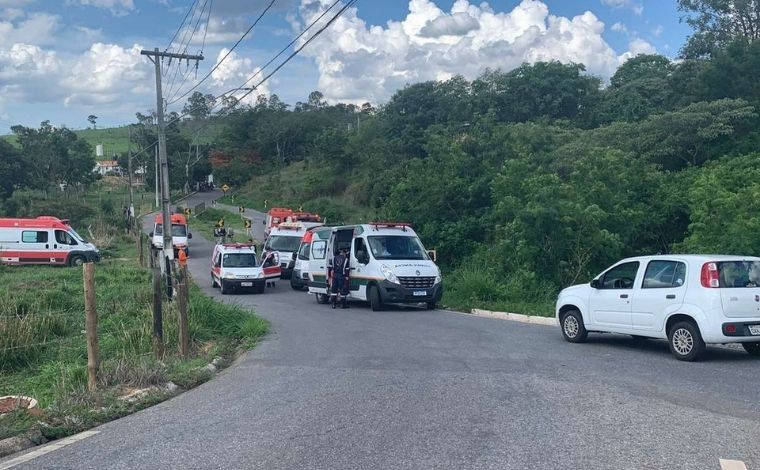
x=690, y=300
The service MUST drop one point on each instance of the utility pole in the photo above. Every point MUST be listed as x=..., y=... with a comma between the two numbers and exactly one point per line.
x=155, y=56
x=131, y=213
x=156, y=179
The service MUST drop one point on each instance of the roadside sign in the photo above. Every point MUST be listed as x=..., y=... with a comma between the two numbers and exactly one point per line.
x=225, y=188
x=188, y=211
x=220, y=222
x=247, y=223
x=241, y=209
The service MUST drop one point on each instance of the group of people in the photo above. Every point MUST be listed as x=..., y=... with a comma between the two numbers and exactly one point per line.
x=222, y=234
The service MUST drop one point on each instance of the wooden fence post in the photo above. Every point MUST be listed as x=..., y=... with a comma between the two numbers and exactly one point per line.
x=183, y=288
x=91, y=326
x=140, y=249
x=158, y=322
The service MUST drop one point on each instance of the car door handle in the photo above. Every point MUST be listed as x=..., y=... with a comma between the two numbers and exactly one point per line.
x=55, y=246
x=47, y=246
x=670, y=296
x=623, y=296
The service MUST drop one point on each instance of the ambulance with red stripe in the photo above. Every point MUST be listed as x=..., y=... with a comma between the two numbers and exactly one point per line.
x=235, y=266
x=44, y=240
x=307, y=262
x=285, y=239
x=180, y=233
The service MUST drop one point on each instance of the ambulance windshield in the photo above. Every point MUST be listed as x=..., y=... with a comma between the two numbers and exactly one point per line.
x=397, y=247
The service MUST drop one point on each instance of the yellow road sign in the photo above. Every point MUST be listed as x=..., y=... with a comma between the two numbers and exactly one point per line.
x=225, y=188
x=247, y=223
x=188, y=211
x=220, y=222
x=241, y=209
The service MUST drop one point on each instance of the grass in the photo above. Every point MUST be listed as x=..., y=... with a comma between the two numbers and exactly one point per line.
x=204, y=222
x=43, y=349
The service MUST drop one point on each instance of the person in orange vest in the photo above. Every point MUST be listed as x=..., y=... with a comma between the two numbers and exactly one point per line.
x=182, y=258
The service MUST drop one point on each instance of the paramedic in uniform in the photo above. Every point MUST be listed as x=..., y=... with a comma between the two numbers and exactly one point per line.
x=339, y=272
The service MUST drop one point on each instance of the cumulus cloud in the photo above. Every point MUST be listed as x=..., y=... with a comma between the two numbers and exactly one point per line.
x=232, y=72
x=358, y=62
x=636, y=47
x=636, y=7
x=36, y=28
x=105, y=73
x=619, y=28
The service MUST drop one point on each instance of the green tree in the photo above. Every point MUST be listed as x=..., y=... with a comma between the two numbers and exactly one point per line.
x=718, y=22
x=198, y=106
x=13, y=173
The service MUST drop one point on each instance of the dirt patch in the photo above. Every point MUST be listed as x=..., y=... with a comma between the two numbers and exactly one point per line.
x=8, y=404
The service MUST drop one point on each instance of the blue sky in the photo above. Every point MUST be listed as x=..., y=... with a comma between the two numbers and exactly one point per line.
x=63, y=60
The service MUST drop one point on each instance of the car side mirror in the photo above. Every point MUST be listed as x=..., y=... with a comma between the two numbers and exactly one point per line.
x=150, y=234
x=432, y=254
x=595, y=283
x=189, y=235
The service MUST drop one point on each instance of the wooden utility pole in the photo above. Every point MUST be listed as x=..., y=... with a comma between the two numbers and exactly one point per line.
x=131, y=213
x=91, y=326
x=183, y=297
x=158, y=320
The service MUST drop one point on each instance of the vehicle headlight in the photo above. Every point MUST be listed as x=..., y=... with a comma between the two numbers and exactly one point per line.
x=438, y=278
x=260, y=275
x=229, y=276
x=388, y=273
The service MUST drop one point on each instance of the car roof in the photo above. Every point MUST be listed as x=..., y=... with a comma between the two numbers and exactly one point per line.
x=236, y=247
x=704, y=258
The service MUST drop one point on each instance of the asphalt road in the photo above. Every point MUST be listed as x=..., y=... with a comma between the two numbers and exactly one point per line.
x=410, y=388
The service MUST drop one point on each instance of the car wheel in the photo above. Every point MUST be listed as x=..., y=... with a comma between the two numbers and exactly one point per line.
x=225, y=288
x=293, y=284
x=572, y=327
x=752, y=348
x=374, y=299
x=321, y=298
x=685, y=341
x=76, y=261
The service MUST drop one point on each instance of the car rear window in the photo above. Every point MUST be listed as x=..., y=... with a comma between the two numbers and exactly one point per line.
x=739, y=273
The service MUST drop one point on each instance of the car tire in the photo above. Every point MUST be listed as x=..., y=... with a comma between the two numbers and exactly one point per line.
x=685, y=341
x=374, y=299
x=572, y=327
x=752, y=349
x=321, y=298
x=293, y=285
x=225, y=289
x=77, y=260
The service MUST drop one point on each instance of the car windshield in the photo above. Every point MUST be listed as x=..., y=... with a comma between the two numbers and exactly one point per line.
x=282, y=243
x=396, y=247
x=739, y=273
x=76, y=235
x=239, y=260
x=177, y=230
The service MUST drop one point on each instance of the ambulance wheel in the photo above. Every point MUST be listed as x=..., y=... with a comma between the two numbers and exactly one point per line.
x=76, y=260
x=374, y=299
x=321, y=298
x=225, y=289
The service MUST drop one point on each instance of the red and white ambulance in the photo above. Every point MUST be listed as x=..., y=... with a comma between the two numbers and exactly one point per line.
x=235, y=266
x=180, y=233
x=44, y=240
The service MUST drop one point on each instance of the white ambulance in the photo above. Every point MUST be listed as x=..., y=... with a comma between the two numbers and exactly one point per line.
x=44, y=240
x=389, y=265
x=285, y=239
x=235, y=266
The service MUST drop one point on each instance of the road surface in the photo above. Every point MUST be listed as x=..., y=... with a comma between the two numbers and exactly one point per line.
x=410, y=388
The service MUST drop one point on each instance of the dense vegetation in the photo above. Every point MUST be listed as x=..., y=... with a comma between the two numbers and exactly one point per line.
x=530, y=180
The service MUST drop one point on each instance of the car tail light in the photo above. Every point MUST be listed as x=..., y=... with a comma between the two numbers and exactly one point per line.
x=710, y=276
x=729, y=328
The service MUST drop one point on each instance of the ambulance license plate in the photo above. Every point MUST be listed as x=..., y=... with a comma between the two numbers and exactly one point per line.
x=754, y=330
x=246, y=284
x=419, y=293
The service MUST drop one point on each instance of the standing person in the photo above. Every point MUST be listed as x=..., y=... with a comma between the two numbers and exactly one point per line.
x=339, y=271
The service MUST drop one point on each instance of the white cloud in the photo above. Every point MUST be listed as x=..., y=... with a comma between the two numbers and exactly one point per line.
x=14, y=3
x=232, y=72
x=636, y=47
x=619, y=28
x=658, y=30
x=359, y=62
x=636, y=7
x=116, y=7
x=11, y=14
x=36, y=28
x=27, y=73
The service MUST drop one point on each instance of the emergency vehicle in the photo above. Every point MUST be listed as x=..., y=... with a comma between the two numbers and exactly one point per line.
x=285, y=239
x=388, y=264
x=44, y=240
x=316, y=264
x=180, y=233
x=302, y=266
x=235, y=266
x=276, y=216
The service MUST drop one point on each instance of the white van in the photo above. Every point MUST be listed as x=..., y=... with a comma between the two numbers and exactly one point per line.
x=44, y=240
x=388, y=264
x=316, y=263
x=285, y=239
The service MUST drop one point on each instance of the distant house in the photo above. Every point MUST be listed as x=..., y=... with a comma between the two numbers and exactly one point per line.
x=104, y=167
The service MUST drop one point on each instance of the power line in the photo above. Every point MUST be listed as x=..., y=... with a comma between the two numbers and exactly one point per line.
x=192, y=8
x=269, y=6
x=183, y=49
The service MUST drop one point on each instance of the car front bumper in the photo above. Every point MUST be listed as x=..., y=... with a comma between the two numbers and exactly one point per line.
x=396, y=293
